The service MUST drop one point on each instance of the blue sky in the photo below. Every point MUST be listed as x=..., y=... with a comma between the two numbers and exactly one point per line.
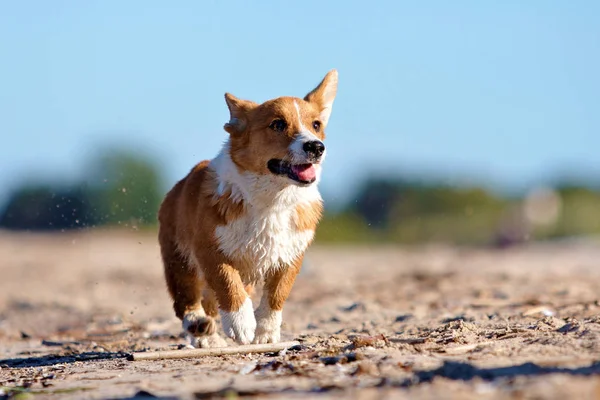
x=505, y=93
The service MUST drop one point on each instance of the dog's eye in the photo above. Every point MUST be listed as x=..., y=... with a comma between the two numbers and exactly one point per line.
x=278, y=125
x=317, y=126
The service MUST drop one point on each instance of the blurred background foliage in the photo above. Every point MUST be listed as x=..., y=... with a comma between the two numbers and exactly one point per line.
x=123, y=188
x=119, y=188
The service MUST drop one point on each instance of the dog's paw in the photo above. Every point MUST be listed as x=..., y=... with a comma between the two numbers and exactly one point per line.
x=197, y=323
x=240, y=325
x=267, y=336
x=209, y=341
x=268, y=326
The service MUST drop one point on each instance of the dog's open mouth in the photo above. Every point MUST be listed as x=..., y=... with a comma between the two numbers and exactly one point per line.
x=302, y=173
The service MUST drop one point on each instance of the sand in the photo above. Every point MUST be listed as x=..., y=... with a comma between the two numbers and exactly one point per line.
x=373, y=323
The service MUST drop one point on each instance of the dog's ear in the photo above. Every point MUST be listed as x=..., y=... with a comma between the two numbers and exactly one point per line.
x=238, y=110
x=324, y=94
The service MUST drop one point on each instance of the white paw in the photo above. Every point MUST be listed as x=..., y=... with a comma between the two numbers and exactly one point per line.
x=267, y=336
x=209, y=341
x=268, y=327
x=241, y=324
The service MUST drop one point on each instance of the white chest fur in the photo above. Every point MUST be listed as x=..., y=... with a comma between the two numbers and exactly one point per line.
x=263, y=239
x=265, y=236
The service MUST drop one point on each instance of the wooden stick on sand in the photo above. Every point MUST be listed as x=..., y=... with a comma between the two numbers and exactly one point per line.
x=218, y=351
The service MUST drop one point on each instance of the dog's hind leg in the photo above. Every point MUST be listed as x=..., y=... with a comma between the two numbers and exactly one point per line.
x=186, y=288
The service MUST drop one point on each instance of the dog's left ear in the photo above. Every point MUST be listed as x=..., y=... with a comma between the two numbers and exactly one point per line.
x=324, y=94
x=238, y=110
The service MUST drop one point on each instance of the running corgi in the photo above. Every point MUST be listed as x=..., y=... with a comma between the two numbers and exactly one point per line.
x=247, y=216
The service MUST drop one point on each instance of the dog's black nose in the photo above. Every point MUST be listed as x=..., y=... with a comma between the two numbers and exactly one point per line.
x=315, y=148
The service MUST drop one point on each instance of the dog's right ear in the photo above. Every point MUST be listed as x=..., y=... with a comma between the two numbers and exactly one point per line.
x=238, y=110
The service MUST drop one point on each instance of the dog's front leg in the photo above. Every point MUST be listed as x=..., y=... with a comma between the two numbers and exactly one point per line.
x=278, y=285
x=235, y=306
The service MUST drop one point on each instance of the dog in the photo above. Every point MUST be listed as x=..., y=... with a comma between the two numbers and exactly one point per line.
x=246, y=217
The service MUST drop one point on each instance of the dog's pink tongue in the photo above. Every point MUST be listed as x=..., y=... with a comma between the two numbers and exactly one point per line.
x=305, y=172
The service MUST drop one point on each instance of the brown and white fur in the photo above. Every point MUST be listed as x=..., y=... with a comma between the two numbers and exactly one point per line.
x=247, y=216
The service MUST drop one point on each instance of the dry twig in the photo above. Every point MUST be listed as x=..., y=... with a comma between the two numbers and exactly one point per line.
x=218, y=351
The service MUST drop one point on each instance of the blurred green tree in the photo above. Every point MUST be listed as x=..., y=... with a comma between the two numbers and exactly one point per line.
x=126, y=188
x=121, y=187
